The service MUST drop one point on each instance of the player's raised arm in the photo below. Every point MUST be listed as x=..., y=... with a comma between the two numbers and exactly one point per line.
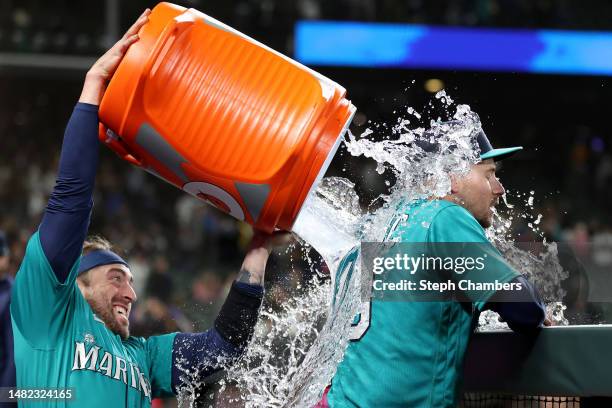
x=44, y=285
x=197, y=356
x=66, y=219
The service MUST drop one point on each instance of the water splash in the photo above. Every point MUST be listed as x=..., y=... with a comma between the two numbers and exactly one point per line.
x=275, y=359
x=294, y=352
x=333, y=223
x=537, y=261
x=330, y=219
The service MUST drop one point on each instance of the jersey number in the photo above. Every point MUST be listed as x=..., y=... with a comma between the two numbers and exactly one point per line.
x=361, y=324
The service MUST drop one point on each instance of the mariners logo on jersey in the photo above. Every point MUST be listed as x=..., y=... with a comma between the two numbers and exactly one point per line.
x=96, y=359
x=89, y=338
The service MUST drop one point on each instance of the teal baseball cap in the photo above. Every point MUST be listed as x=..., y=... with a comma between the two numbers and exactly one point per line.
x=428, y=143
x=488, y=152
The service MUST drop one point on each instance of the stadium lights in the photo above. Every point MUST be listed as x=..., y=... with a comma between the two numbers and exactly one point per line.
x=386, y=45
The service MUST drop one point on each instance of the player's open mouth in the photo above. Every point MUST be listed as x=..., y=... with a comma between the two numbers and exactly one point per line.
x=121, y=311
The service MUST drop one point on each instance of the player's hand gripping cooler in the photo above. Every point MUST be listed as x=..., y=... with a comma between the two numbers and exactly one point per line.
x=223, y=117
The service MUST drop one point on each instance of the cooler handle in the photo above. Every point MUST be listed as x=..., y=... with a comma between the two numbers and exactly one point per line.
x=176, y=26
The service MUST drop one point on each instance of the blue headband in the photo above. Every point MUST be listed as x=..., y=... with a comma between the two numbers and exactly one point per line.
x=99, y=257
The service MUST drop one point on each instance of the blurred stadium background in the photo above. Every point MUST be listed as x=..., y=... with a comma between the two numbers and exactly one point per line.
x=183, y=254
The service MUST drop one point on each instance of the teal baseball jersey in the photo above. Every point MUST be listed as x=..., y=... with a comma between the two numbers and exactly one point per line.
x=60, y=343
x=410, y=353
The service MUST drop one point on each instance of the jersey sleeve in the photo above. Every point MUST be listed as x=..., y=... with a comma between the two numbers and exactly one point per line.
x=42, y=306
x=454, y=233
x=66, y=218
x=159, y=357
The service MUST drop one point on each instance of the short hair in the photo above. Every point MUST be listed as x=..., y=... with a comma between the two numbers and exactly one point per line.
x=94, y=243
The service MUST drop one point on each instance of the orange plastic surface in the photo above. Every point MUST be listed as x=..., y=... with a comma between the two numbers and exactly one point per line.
x=234, y=110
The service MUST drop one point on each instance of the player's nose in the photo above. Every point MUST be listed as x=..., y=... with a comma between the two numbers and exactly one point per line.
x=498, y=188
x=129, y=293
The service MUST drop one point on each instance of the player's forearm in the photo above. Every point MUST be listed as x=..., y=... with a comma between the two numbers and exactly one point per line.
x=523, y=310
x=238, y=315
x=66, y=219
x=253, y=268
x=93, y=89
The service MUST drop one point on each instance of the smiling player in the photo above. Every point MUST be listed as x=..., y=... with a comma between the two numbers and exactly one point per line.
x=70, y=312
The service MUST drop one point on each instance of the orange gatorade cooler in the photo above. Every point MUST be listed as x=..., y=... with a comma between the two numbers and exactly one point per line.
x=223, y=117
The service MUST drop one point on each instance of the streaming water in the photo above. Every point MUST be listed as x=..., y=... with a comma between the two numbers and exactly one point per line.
x=294, y=352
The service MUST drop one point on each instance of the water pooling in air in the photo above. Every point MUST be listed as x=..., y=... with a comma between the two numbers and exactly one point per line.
x=294, y=352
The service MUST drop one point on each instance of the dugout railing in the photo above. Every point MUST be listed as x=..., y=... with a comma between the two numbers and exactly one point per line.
x=559, y=367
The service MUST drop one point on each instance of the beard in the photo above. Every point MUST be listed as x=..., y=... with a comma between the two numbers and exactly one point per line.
x=485, y=222
x=484, y=217
x=104, y=311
